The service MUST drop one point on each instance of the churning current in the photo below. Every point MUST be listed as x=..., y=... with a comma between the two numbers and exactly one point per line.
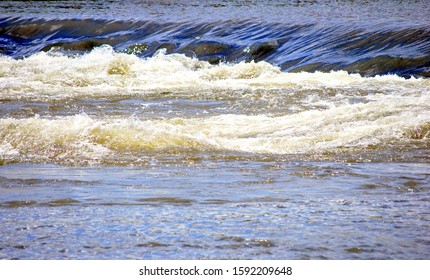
x=214, y=130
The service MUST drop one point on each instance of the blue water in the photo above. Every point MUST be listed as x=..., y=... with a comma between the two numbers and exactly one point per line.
x=367, y=38
x=214, y=130
x=255, y=210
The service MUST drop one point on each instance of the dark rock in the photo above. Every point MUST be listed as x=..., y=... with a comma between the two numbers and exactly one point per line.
x=84, y=45
x=205, y=48
x=260, y=50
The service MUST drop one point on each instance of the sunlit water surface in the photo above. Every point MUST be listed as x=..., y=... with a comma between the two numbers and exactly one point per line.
x=216, y=130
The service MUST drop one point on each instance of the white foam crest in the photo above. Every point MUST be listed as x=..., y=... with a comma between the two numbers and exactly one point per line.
x=104, y=72
x=311, y=131
x=46, y=139
x=348, y=126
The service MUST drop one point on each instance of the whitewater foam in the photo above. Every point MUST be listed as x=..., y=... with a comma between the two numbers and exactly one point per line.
x=258, y=108
x=103, y=73
x=381, y=123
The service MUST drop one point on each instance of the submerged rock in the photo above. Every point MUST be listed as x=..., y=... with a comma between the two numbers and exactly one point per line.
x=385, y=64
x=259, y=51
x=169, y=47
x=80, y=46
x=204, y=48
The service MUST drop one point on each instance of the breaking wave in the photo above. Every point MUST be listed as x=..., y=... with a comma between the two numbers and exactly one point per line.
x=294, y=47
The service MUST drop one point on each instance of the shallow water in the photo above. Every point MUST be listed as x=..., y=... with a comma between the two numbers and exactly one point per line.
x=222, y=130
x=217, y=210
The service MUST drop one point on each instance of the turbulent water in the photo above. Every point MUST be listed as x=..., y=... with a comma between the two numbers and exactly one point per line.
x=222, y=129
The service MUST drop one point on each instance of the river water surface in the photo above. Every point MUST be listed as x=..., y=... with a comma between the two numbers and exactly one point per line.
x=214, y=130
